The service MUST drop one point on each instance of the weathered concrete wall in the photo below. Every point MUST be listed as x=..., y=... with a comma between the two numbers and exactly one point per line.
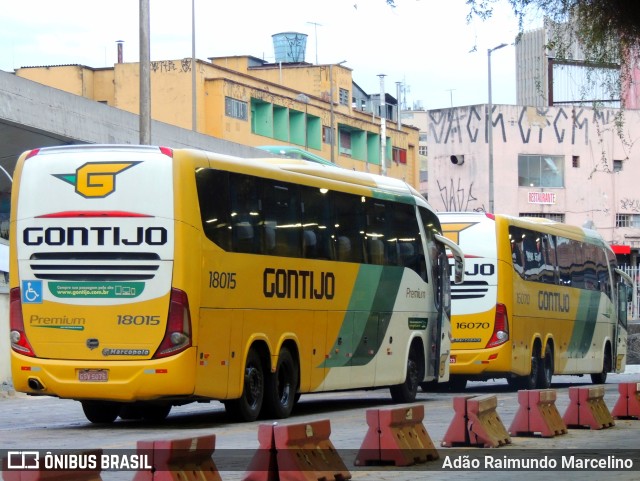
x=67, y=118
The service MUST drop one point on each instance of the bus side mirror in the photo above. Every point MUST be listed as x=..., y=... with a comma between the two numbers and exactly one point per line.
x=458, y=257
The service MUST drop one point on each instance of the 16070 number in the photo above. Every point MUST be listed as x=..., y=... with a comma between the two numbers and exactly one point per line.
x=472, y=325
x=222, y=280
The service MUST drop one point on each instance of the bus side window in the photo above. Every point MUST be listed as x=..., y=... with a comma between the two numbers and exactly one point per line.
x=565, y=259
x=517, y=253
x=407, y=248
x=532, y=256
x=213, y=198
x=316, y=205
x=245, y=214
x=349, y=227
x=548, y=270
x=378, y=225
x=282, y=228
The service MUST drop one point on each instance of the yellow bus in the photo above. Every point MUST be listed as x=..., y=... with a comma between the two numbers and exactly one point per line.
x=146, y=277
x=539, y=298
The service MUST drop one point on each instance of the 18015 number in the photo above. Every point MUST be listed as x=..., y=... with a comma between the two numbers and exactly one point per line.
x=222, y=280
x=127, y=320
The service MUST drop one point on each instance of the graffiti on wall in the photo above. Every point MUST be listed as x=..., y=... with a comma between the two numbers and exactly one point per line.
x=165, y=66
x=560, y=124
x=632, y=205
x=456, y=198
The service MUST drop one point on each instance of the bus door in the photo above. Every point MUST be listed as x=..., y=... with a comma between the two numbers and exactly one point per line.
x=624, y=290
x=443, y=300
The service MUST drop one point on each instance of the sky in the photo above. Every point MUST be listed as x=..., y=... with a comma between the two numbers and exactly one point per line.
x=428, y=45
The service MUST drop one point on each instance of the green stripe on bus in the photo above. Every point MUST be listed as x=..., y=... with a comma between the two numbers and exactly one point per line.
x=404, y=198
x=367, y=317
x=585, y=324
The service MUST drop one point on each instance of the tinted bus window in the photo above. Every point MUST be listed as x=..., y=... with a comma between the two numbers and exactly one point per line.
x=213, y=197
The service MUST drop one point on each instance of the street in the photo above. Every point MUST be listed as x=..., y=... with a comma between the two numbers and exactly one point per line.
x=43, y=423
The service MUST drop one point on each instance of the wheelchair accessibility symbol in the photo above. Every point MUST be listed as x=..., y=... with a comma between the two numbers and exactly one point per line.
x=32, y=292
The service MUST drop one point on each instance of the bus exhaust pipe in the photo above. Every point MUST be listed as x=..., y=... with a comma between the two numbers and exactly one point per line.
x=35, y=384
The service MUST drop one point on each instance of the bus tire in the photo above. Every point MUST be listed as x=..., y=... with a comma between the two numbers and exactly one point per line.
x=249, y=405
x=155, y=413
x=545, y=368
x=130, y=412
x=101, y=412
x=282, y=387
x=407, y=391
x=456, y=383
x=601, y=377
x=529, y=381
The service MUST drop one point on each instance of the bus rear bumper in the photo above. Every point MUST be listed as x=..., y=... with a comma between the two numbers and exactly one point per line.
x=111, y=381
x=494, y=362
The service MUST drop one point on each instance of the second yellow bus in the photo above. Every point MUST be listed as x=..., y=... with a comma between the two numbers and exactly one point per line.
x=539, y=298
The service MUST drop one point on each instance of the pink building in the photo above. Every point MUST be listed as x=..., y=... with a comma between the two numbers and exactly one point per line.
x=577, y=165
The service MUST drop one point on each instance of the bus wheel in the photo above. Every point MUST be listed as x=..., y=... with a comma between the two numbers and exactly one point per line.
x=101, y=412
x=601, y=377
x=130, y=411
x=155, y=412
x=282, y=387
x=406, y=392
x=545, y=369
x=248, y=407
x=529, y=381
x=456, y=383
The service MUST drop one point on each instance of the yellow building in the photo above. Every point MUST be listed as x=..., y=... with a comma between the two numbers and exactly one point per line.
x=246, y=100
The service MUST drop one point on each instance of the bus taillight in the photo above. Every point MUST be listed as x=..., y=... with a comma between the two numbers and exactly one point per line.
x=19, y=341
x=500, y=327
x=177, y=336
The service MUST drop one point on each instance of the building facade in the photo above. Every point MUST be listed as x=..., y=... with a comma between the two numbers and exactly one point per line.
x=552, y=70
x=577, y=165
x=249, y=101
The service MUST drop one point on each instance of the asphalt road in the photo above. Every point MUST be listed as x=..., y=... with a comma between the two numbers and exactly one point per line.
x=43, y=423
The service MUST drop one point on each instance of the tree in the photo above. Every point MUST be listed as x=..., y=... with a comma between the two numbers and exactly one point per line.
x=607, y=30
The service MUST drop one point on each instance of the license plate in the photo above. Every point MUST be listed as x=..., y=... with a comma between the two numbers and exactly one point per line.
x=452, y=360
x=93, y=375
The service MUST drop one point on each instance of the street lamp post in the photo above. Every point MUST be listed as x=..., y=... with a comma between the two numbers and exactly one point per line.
x=490, y=126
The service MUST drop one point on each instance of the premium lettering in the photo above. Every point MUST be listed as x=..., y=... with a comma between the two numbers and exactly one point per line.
x=294, y=284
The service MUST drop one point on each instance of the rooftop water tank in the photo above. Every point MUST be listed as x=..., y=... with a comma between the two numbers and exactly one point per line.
x=289, y=47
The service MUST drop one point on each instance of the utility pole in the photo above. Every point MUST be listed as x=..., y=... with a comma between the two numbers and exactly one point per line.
x=490, y=128
x=194, y=105
x=145, y=74
x=383, y=127
x=315, y=32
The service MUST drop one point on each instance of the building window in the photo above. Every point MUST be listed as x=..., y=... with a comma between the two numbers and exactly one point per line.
x=422, y=150
x=544, y=215
x=345, y=142
x=399, y=156
x=628, y=220
x=344, y=97
x=575, y=161
x=541, y=171
x=327, y=136
x=235, y=108
x=617, y=165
